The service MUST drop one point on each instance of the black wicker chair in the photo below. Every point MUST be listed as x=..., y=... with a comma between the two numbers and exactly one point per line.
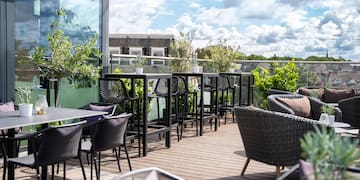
x=108, y=133
x=350, y=109
x=272, y=137
x=56, y=145
x=276, y=105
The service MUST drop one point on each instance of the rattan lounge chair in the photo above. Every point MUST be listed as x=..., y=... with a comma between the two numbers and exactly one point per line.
x=272, y=137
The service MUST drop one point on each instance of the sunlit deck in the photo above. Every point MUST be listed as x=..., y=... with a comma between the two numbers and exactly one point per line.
x=215, y=155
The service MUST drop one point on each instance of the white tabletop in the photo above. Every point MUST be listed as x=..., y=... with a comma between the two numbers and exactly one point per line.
x=13, y=119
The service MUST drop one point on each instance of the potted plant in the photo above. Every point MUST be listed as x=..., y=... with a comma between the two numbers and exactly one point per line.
x=328, y=155
x=61, y=58
x=139, y=63
x=327, y=114
x=25, y=107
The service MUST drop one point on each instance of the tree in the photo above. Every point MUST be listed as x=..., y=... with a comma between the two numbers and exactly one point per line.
x=221, y=56
x=181, y=49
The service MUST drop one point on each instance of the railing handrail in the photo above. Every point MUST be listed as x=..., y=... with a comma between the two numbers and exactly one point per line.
x=241, y=61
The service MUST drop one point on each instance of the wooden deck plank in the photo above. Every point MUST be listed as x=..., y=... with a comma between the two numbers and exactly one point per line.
x=215, y=155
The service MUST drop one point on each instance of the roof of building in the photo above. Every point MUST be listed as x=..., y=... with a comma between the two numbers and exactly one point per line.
x=142, y=36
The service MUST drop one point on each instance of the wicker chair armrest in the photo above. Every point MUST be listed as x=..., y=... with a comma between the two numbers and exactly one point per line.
x=275, y=105
x=316, y=109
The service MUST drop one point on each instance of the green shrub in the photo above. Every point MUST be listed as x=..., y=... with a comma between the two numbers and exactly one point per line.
x=276, y=77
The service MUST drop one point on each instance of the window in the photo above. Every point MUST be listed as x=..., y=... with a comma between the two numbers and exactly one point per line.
x=136, y=51
x=158, y=51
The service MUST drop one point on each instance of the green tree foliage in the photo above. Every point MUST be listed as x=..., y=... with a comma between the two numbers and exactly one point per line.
x=221, y=56
x=66, y=59
x=277, y=77
x=181, y=49
x=319, y=58
x=329, y=153
x=256, y=57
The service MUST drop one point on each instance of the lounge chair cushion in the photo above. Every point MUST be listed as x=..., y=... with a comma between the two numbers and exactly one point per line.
x=300, y=106
x=6, y=107
x=107, y=109
x=311, y=92
x=334, y=95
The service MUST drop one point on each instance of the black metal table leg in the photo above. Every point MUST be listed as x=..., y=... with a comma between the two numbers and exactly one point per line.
x=145, y=123
x=11, y=152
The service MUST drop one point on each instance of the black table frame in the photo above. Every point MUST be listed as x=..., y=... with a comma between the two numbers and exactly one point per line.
x=249, y=85
x=202, y=87
x=146, y=77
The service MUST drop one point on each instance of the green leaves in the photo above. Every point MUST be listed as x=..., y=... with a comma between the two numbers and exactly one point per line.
x=276, y=77
x=66, y=59
x=328, y=110
x=24, y=94
x=329, y=153
x=222, y=56
x=181, y=49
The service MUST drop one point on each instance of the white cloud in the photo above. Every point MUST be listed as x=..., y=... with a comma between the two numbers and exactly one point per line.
x=194, y=5
x=282, y=27
x=134, y=16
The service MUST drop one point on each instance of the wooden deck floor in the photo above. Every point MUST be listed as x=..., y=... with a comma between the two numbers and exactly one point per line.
x=215, y=155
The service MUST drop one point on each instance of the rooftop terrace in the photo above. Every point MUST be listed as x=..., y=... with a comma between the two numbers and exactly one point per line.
x=215, y=155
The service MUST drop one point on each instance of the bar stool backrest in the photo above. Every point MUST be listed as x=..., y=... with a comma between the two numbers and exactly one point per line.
x=113, y=90
x=161, y=88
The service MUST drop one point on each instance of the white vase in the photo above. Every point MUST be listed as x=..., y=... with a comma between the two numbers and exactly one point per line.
x=231, y=70
x=324, y=118
x=331, y=119
x=25, y=110
x=139, y=70
x=195, y=69
x=41, y=105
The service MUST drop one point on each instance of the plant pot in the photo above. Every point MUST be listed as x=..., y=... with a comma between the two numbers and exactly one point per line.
x=25, y=110
x=195, y=69
x=231, y=70
x=331, y=119
x=324, y=118
x=139, y=70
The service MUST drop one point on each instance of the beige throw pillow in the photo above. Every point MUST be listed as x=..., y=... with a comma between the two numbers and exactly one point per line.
x=300, y=106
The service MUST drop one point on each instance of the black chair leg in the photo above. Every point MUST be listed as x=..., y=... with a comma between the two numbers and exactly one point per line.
x=95, y=166
x=57, y=168
x=64, y=170
x=178, y=133
x=127, y=156
x=91, y=166
x=82, y=167
x=37, y=173
x=3, y=152
x=99, y=161
x=52, y=171
x=87, y=159
x=117, y=158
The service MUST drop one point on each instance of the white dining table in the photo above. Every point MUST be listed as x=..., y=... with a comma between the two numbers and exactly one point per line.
x=12, y=120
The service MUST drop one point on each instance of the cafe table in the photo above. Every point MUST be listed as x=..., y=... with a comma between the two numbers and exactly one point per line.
x=12, y=120
x=202, y=77
x=145, y=77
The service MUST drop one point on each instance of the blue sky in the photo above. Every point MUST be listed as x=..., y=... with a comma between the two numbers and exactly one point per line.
x=284, y=27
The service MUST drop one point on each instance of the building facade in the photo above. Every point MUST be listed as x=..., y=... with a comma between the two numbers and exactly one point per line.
x=139, y=44
x=24, y=25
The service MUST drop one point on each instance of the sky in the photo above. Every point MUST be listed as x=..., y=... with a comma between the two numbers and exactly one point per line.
x=297, y=28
